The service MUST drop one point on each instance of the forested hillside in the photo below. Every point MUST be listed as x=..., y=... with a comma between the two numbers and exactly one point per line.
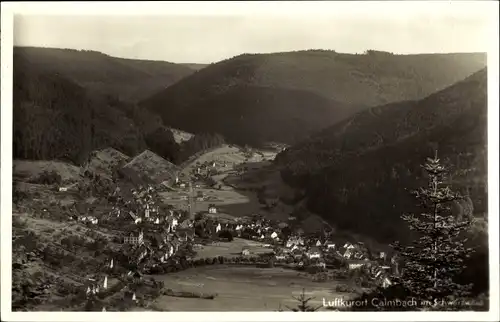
x=129, y=80
x=299, y=87
x=55, y=118
x=359, y=173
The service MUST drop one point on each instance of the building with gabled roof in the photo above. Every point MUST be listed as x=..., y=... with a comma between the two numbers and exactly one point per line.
x=134, y=239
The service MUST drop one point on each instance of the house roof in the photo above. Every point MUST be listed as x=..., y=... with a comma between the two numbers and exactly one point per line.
x=314, y=249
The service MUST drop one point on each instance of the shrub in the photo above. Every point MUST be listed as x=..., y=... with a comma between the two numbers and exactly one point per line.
x=342, y=288
x=208, y=261
x=48, y=178
x=226, y=234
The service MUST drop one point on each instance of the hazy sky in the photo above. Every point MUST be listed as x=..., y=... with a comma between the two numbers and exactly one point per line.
x=210, y=38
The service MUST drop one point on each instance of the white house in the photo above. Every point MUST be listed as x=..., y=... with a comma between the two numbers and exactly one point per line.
x=262, y=237
x=318, y=243
x=386, y=283
x=294, y=241
x=321, y=264
x=274, y=235
x=347, y=254
x=355, y=265
x=182, y=185
x=93, y=220
x=174, y=223
x=212, y=210
x=313, y=253
x=330, y=246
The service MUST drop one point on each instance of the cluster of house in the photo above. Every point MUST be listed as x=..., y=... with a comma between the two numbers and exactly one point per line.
x=158, y=232
x=158, y=245
x=298, y=247
x=94, y=285
x=88, y=219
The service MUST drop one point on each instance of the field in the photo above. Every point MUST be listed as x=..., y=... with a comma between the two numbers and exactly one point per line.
x=243, y=288
x=230, y=201
x=28, y=170
x=231, y=249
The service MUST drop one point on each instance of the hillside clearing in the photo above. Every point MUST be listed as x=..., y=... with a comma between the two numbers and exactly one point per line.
x=28, y=170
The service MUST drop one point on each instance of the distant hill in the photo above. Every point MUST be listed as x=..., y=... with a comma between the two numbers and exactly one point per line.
x=253, y=115
x=129, y=80
x=358, y=174
x=195, y=66
x=249, y=92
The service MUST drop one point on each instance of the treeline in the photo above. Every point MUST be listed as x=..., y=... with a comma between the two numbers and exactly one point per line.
x=198, y=143
x=55, y=118
x=130, y=80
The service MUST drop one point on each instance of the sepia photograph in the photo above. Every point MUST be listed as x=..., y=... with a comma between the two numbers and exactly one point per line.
x=336, y=158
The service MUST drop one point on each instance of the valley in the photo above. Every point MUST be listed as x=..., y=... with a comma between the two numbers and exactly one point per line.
x=49, y=216
x=240, y=185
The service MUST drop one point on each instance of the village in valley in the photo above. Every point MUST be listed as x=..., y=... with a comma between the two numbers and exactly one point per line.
x=131, y=228
x=185, y=162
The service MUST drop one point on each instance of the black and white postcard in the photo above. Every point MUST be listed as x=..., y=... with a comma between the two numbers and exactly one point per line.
x=246, y=161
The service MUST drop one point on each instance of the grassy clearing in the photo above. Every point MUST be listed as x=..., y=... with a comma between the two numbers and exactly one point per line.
x=28, y=170
x=242, y=289
x=231, y=249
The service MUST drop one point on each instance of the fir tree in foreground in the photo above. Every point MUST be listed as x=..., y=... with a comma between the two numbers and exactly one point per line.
x=303, y=305
x=434, y=260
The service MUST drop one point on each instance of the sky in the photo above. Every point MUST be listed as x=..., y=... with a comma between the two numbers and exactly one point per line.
x=205, y=38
